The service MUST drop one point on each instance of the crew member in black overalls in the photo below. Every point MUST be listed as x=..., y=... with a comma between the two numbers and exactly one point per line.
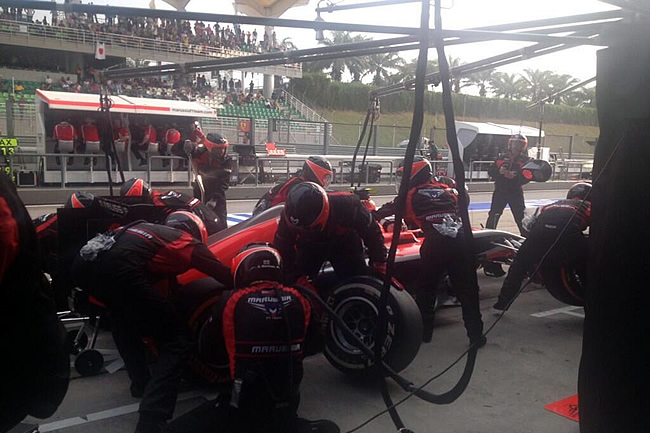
x=508, y=182
x=260, y=332
x=508, y=191
x=315, y=169
x=317, y=226
x=432, y=206
x=122, y=269
x=172, y=201
x=35, y=365
x=212, y=163
x=549, y=221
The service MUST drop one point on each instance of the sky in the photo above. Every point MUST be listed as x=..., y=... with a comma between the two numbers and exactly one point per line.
x=579, y=62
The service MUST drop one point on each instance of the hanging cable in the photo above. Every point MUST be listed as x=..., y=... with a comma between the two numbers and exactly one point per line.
x=371, y=134
x=361, y=137
x=471, y=351
x=105, y=104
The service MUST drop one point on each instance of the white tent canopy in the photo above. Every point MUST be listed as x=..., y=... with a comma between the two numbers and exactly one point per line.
x=123, y=104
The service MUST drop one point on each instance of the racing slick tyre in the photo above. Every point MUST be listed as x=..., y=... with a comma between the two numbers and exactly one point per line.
x=356, y=301
x=564, y=284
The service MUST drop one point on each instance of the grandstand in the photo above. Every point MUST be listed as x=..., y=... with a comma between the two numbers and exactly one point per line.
x=59, y=56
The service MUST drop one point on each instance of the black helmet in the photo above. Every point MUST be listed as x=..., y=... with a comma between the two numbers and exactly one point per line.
x=135, y=187
x=256, y=262
x=421, y=171
x=307, y=207
x=188, y=222
x=579, y=191
x=519, y=140
x=79, y=200
x=217, y=140
x=317, y=169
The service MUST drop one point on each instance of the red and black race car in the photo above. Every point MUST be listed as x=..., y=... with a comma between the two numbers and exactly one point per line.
x=355, y=300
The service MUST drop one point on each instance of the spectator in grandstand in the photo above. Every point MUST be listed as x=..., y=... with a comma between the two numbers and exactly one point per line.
x=47, y=84
x=65, y=136
x=3, y=85
x=63, y=83
x=19, y=87
x=231, y=84
x=251, y=86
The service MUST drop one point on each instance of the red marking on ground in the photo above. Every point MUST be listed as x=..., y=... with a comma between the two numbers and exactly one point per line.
x=567, y=408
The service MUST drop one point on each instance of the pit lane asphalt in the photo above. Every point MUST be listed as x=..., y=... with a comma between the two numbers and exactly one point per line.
x=531, y=359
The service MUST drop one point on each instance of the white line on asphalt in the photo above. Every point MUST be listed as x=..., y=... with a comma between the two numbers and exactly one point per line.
x=564, y=310
x=112, y=413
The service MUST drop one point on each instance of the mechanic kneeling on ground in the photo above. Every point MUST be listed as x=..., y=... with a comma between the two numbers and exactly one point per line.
x=433, y=207
x=546, y=226
x=172, y=201
x=317, y=226
x=260, y=328
x=315, y=169
x=120, y=268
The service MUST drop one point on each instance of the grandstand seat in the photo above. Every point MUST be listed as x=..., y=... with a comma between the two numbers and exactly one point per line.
x=66, y=146
x=93, y=147
x=120, y=146
x=153, y=148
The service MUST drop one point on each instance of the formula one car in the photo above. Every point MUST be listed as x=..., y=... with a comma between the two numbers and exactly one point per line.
x=355, y=300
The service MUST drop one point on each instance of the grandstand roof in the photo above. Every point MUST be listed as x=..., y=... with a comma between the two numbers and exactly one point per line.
x=123, y=104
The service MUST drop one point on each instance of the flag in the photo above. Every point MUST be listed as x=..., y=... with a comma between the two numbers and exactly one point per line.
x=100, y=51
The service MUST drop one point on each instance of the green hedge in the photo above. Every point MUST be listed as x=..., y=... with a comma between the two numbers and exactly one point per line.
x=316, y=89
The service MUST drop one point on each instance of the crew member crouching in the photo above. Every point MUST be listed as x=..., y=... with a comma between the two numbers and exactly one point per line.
x=120, y=268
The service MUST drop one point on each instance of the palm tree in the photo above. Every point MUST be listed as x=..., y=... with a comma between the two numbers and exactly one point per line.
x=583, y=97
x=538, y=84
x=507, y=86
x=406, y=71
x=456, y=81
x=288, y=45
x=380, y=65
x=337, y=67
x=561, y=82
x=481, y=80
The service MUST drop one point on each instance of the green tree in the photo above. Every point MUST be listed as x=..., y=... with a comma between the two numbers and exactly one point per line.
x=356, y=66
x=560, y=82
x=537, y=84
x=506, y=86
x=288, y=45
x=406, y=71
x=380, y=66
x=583, y=97
x=481, y=80
x=457, y=82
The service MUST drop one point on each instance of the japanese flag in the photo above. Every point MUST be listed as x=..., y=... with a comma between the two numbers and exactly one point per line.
x=100, y=51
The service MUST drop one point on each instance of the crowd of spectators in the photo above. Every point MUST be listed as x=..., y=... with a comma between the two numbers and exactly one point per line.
x=183, y=32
